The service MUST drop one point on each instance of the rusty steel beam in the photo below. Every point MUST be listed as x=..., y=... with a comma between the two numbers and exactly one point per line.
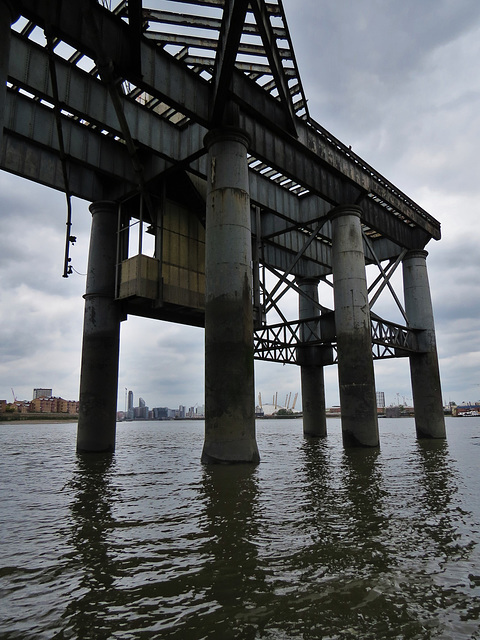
x=199, y=22
x=85, y=96
x=31, y=128
x=275, y=55
x=228, y=47
x=316, y=160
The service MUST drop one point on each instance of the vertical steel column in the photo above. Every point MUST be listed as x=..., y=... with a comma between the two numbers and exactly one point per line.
x=8, y=15
x=101, y=336
x=312, y=374
x=353, y=329
x=229, y=370
x=424, y=371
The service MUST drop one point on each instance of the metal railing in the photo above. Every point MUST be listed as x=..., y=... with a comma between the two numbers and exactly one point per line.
x=281, y=342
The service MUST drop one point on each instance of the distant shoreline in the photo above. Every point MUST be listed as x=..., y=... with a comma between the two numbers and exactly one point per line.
x=35, y=418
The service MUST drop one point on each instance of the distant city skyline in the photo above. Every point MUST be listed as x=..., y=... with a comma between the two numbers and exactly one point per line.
x=397, y=399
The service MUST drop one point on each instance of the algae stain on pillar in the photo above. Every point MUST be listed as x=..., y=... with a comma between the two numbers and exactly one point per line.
x=229, y=367
x=424, y=368
x=101, y=336
x=352, y=320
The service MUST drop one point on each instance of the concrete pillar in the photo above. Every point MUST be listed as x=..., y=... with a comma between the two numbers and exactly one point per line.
x=353, y=329
x=312, y=374
x=8, y=15
x=424, y=371
x=229, y=372
x=101, y=336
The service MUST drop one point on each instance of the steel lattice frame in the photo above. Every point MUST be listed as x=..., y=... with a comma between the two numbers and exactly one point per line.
x=110, y=100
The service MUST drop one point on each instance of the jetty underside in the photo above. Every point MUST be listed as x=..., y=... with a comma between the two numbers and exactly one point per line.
x=214, y=192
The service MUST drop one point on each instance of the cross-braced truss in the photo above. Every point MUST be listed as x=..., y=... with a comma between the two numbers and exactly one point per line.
x=285, y=341
x=290, y=342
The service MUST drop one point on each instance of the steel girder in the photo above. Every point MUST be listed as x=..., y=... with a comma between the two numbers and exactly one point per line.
x=33, y=126
x=87, y=99
x=313, y=159
x=164, y=105
x=228, y=45
x=163, y=145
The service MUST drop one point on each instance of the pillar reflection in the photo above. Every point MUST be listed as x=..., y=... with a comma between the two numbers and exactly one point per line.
x=363, y=484
x=438, y=480
x=232, y=574
x=91, y=511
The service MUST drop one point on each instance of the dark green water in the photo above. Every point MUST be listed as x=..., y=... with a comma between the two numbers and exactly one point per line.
x=312, y=543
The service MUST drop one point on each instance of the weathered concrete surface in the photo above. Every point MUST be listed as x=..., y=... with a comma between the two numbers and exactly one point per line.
x=101, y=337
x=352, y=320
x=424, y=370
x=229, y=364
x=312, y=375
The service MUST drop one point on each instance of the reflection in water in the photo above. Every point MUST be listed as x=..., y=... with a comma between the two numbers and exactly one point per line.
x=365, y=511
x=351, y=554
x=324, y=509
x=231, y=576
x=313, y=543
x=92, y=522
x=438, y=481
x=372, y=591
x=229, y=511
x=346, y=501
x=445, y=545
x=373, y=544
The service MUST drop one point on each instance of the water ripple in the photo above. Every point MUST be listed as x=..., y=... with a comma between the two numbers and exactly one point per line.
x=313, y=543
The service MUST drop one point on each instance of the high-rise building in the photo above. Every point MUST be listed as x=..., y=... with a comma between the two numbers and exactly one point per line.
x=141, y=412
x=130, y=411
x=160, y=413
x=42, y=393
x=380, y=400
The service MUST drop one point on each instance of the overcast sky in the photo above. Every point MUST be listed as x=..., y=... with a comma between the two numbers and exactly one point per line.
x=399, y=82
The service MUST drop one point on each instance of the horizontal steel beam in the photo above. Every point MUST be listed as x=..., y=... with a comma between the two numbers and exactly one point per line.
x=42, y=165
x=200, y=22
x=272, y=7
x=316, y=159
x=35, y=123
x=33, y=127
x=293, y=160
x=207, y=43
x=89, y=99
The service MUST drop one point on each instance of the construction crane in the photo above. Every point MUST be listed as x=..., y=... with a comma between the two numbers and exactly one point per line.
x=13, y=394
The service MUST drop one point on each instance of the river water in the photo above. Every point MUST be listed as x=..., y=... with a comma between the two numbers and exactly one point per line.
x=312, y=543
